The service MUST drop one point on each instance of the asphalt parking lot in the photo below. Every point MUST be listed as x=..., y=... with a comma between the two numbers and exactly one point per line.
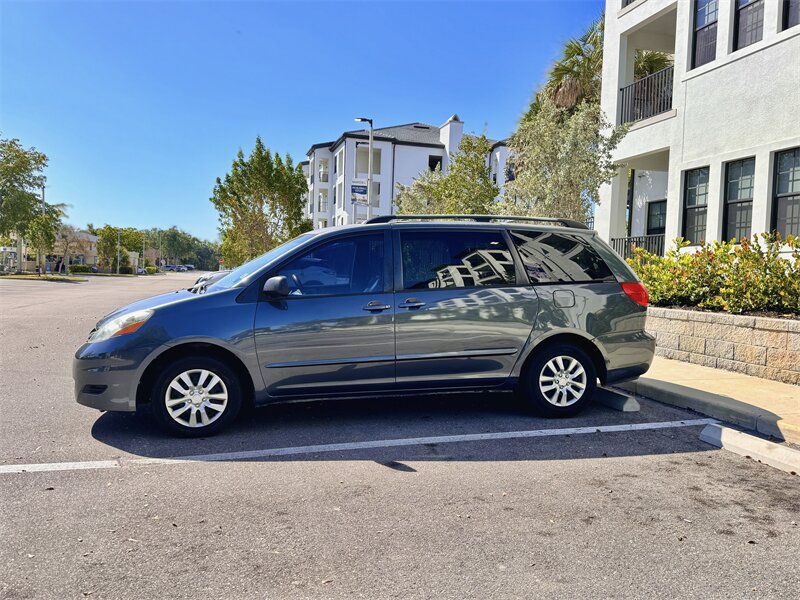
x=454, y=496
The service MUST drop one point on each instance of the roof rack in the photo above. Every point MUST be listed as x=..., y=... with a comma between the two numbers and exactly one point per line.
x=478, y=218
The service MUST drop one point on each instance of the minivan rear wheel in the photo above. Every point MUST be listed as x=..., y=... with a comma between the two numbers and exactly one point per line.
x=196, y=396
x=559, y=381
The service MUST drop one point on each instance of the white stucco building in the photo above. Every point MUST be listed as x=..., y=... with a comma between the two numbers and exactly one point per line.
x=714, y=141
x=400, y=154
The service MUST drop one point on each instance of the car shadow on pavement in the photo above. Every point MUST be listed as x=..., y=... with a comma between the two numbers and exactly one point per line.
x=367, y=420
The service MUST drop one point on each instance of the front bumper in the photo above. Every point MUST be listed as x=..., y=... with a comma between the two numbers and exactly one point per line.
x=106, y=377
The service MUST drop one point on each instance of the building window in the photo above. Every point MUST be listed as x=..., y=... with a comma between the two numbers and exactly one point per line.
x=791, y=13
x=656, y=217
x=695, y=198
x=749, y=23
x=434, y=162
x=786, y=203
x=738, y=210
x=705, y=32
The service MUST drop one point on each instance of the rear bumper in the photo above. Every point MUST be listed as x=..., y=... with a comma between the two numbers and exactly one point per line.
x=628, y=355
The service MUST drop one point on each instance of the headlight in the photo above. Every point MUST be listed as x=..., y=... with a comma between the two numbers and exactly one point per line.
x=120, y=325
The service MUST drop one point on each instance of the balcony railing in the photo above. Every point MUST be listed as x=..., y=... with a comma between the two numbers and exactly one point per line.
x=654, y=244
x=647, y=97
x=323, y=176
x=322, y=206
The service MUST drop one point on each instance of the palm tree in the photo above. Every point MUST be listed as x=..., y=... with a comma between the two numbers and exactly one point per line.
x=577, y=76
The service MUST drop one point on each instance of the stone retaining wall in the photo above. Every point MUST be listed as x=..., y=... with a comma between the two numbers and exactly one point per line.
x=758, y=346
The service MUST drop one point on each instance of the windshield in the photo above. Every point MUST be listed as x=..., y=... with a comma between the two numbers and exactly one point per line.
x=242, y=273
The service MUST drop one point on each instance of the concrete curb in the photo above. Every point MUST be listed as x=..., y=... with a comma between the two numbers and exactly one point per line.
x=772, y=454
x=717, y=406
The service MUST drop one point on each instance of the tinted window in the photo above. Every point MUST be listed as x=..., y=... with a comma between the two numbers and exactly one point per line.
x=352, y=265
x=448, y=259
x=559, y=257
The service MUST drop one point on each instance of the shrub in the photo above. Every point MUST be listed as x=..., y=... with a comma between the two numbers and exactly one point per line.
x=151, y=270
x=80, y=268
x=126, y=270
x=752, y=276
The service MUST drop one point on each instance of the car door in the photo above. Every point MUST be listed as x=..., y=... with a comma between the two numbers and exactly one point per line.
x=464, y=310
x=334, y=332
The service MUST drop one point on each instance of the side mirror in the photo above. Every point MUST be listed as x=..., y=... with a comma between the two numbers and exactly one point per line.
x=276, y=287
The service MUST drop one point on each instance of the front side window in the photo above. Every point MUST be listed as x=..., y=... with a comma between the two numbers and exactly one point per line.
x=656, y=217
x=455, y=259
x=695, y=198
x=559, y=257
x=749, y=26
x=786, y=203
x=705, y=32
x=791, y=13
x=738, y=212
x=352, y=265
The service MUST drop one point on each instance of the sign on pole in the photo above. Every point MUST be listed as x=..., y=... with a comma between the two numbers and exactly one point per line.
x=358, y=191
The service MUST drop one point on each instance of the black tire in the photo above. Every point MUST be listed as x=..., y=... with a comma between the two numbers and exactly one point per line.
x=229, y=384
x=540, y=364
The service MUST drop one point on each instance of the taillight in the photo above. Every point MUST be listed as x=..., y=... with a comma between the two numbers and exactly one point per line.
x=636, y=291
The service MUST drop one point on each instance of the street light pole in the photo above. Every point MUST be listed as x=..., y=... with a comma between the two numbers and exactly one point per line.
x=369, y=167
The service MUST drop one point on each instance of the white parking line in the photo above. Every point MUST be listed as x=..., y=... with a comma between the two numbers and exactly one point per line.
x=349, y=446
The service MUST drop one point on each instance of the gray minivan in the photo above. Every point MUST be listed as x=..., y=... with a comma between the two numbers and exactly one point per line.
x=398, y=305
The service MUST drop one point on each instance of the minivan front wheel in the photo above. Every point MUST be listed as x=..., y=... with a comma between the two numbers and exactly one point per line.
x=196, y=396
x=559, y=380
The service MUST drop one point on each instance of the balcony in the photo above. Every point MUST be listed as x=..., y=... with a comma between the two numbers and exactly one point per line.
x=323, y=176
x=654, y=244
x=322, y=206
x=647, y=97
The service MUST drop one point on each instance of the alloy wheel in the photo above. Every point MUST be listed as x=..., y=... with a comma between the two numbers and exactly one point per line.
x=196, y=398
x=562, y=381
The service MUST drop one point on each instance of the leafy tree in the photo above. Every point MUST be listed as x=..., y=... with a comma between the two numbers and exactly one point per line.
x=69, y=242
x=467, y=188
x=260, y=203
x=41, y=230
x=578, y=74
x=21, y=177
x=560, y=158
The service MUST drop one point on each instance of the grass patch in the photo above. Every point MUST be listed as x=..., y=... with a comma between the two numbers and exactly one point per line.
x=34, y=277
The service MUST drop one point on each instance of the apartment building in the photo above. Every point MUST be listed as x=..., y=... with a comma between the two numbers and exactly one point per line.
x=713, y=150
x=400, y=154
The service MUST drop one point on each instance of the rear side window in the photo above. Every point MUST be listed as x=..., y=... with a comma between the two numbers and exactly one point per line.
x=353, y=265
x=455, y=259
x=551, y=257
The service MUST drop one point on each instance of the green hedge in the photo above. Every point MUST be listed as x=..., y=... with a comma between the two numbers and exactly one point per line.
x=80, y=268
x=151, y=270
x=755, y=275
x=126, y=270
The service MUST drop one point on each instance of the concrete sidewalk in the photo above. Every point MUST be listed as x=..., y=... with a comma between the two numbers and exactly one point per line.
x=768, y=407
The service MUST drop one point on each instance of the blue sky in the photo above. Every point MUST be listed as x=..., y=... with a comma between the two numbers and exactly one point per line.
x=141, y=105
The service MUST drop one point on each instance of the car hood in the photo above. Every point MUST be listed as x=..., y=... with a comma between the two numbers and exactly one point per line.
x=152, y=302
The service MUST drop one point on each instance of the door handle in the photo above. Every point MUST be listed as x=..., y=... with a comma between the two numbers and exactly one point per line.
x=412, y=303
x=376, y=306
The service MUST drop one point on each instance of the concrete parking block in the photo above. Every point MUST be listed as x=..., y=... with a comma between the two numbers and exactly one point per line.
x=772, y=454
x=616, y=400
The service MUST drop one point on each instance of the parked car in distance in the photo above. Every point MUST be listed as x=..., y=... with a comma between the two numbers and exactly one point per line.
x=168, y=268
x=207, y=279
x=181, y=268
x=399, y=305
x=189, y=267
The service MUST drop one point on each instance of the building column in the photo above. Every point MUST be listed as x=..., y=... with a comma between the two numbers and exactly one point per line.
x=674, y=224
x=609, y=219
x=762, y=192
